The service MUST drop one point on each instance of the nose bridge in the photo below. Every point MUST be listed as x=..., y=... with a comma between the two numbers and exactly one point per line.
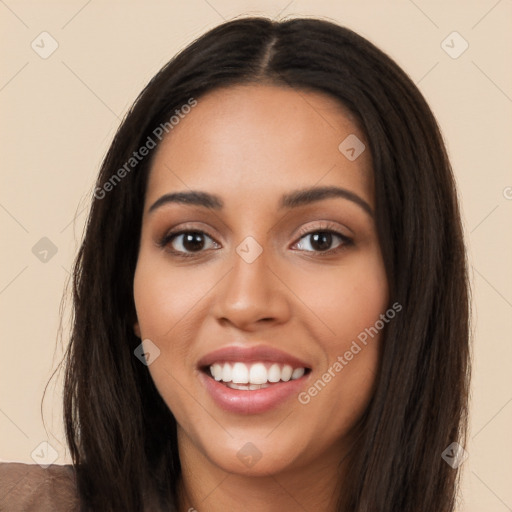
x=251, y=291
x=250, y=277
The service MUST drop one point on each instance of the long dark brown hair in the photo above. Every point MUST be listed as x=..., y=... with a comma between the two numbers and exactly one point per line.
x=121, y=434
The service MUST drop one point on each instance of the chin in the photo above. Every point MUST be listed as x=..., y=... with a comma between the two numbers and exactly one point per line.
x=260, y=453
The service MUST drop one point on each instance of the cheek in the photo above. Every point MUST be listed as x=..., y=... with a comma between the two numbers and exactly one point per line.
x=347, y=299
x=166, y=301
x=165, y=297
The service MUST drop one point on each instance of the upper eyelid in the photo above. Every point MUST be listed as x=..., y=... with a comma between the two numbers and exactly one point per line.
x=326, y=225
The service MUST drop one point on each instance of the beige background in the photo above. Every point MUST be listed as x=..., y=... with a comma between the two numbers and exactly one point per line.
x=59, y=115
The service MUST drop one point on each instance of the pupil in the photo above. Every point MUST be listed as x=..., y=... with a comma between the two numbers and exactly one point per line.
x=322, y=240
x=193, y=241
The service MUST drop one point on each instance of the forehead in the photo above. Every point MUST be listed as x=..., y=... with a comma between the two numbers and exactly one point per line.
x=261, y=140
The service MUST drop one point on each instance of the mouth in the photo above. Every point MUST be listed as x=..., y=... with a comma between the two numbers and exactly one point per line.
x=252, y=380
x=254, y=375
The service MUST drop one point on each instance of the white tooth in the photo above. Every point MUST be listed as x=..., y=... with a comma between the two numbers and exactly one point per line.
x=258, y=374
x=274, y=373
x=226, y=372
x=297, y=373
x=216, y=371
x=286, y=373
x=240, y=374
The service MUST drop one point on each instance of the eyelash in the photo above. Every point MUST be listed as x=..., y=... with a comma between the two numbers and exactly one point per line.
x=326, y=228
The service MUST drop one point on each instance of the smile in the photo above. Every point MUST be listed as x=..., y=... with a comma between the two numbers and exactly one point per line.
x=252, y=379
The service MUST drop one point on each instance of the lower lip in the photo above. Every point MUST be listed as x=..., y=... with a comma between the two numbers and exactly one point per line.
x=251, y=402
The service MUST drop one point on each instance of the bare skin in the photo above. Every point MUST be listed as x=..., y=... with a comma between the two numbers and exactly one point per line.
x=250, y=145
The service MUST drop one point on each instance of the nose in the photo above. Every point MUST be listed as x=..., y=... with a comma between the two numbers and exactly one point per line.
x=252, y=295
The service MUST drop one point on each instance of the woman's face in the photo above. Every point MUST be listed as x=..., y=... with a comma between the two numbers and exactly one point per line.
x=265, y=279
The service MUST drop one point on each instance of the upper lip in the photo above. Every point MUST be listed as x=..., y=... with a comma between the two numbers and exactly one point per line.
x=251, y=354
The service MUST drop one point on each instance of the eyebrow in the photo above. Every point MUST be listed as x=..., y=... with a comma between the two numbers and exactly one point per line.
x=290, y=200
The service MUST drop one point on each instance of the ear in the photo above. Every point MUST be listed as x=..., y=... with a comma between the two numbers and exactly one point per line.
x=136, y=329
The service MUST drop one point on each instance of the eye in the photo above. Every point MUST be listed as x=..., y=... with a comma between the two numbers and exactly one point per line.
x=187, y=242
x=192, y=242
x=320, y=240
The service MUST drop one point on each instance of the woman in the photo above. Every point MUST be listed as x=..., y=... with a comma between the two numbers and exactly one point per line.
x=271, y=298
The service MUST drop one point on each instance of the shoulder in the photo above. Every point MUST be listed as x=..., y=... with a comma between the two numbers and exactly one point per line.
x=29, y=487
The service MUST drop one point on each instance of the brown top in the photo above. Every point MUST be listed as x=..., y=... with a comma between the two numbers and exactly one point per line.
x=30, y=488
